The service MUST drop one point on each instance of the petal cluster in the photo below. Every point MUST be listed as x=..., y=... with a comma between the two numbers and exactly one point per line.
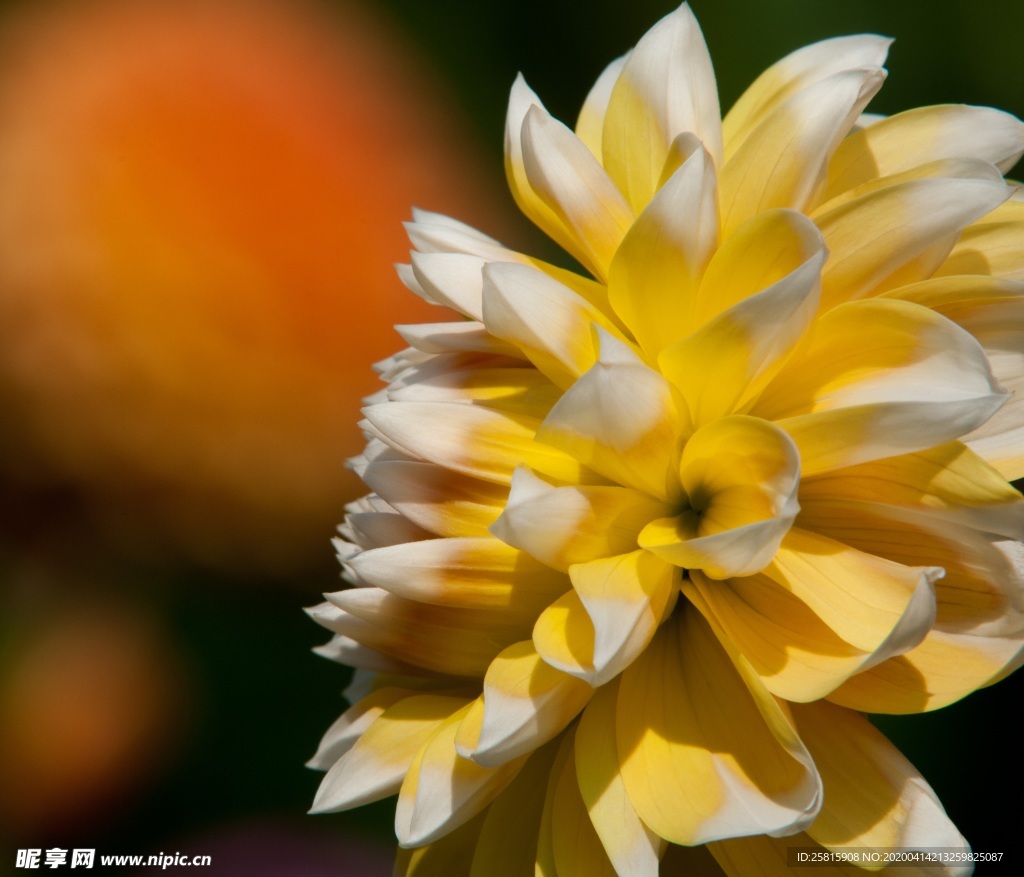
x=645, y=541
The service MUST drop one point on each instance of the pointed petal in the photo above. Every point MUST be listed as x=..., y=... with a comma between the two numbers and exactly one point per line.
x=922, y=135
x=874, y=799
x=525, y=703
x=655, y=273
x=561, y=344
x=626, y=597
x=784, y=160
x=796, y=72
x=342, y=735
x=564, y=636
x=375, y=766
x=701, y=756
x=871, y=237
x=452, y=279
x=590, y=123
x=620, y=420
x=442, y=790
x=470, y=439
x=633, y=849
x=451, y=854
x=471, y=572
x=667, y=87
x=878, y=378
x=748, y=343
x=565, y=525
x=572, y=184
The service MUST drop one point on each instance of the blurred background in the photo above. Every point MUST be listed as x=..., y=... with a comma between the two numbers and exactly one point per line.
x=200, y=206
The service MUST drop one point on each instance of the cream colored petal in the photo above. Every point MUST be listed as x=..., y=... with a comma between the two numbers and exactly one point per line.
x=520, y=101
x=748, y=343
x=442, y=790
x=345, y=650
x=872, y=603
x=878, y=378
x=590, y=123
x=633, y=849
x=471, y=572
x=437, y=499
x=666, y=88
x=573, y=524
x=619, y=419
x=525, y=703
x=507, y=845
x=503, y=385
x=740, y=476
x=922, y=135
x=377, y=529
x=794, y=73
x=436, y=233
x=701, y=753
x=443, y=639
x=626, y=597
x=875, y=800
x=376, y=765
x=784, y=160
x=872, y=237
x=470, y=439
x=549, y=322
x=454, y=280
x=655, y=273
x=572, y=184
x=454, y=337
x=797, y=656
x=342, y=735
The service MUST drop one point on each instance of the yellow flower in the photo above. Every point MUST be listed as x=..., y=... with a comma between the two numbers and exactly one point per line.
x=645, y=543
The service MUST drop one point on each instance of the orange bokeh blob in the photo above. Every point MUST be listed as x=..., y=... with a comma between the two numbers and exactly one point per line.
x=200, y=205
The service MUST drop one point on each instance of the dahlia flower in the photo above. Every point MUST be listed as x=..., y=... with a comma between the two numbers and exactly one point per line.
x=645, y=542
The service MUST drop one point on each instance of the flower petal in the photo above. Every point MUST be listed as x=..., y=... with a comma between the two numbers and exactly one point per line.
x=748, y=344
x=874, y=799
x=626, y=597
x=633, y=849
x=654, y=276
x=619, y=419
x=922, y=135
x=562, y=344
x=700, y=754
x=667, y=87
x=878, y=378
x=784, y=161
x=350, y=726
x=525, y=703
x=572, y=184
x=794, y=73
x=561, y=526
x=375, y=766
x=740, y=475
x=590, y=123
x=442, y=790
x=564, y=636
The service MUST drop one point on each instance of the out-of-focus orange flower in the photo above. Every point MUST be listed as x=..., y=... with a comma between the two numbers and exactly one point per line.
x=200, y=202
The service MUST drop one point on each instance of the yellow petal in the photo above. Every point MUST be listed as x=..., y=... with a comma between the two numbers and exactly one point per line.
x=620, y=420
x=634, y=850
x=571, y=524
x=525, y=703
x=740, y=476
x=795, y=72
x=992, y=248
x=626, y=597
x=376, y=765
x=451, y=854
x=784, y=160
x=564, y=636
x=590, y=122
x=655, y=273
x=666, y=88
x=699, y=758
x=922, y=135
x=350, y=726
x=442, y=790
x=875, y=800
